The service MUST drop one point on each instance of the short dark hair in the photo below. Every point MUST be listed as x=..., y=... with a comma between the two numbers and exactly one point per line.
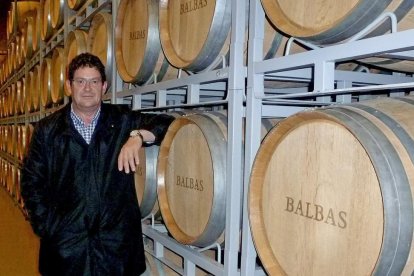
x=86, y=60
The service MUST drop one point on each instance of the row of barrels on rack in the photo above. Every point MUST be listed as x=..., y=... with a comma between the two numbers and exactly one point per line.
x=331, y=189
x=165, y=33
x=10, y=181
x=44, y=85
x=14, y=143
x=33, y=90
x=195, y=35
x=151, y=47
x=15, y=139
x=38, y=19
x=29, y=22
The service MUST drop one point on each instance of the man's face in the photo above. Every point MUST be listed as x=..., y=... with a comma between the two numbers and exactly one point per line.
x=86, y=89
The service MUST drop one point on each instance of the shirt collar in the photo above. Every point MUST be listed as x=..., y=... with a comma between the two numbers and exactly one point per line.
x=79, y=119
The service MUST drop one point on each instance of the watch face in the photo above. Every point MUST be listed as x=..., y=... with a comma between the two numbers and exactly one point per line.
x=134, y=133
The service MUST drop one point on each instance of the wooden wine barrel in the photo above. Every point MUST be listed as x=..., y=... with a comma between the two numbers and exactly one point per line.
x=11, y=140
x=326, y=22
x=18, y=12
x=167, y=267
x=58, y=66
x=146, y=181
x=13, y=56
x=16, y=182
x=24, y=133
x=99, y=41
x=10, y=58
x=31, y=34
x=338, y=23
x=2, y=73
x=12, y=98
x=23, y=43
x=46, y=82
x=191, y=178
x=56, y=13
x=20, y=53
x=27, y=135
x=331, y=191
x=5, y=71
x=28, y=97
x=2, y=105
x=153, y=266
x=138, y=52
x=273, y=46
x=6, y=168
x=191, y=192
x=18, y=195
x=18, y=142
x=210, y=20
x=19, y=100
x=3, y=138
x=75, y=45
x=25, y=91
x=2, y=172
x=33, y=96
x=10, y=179
x=146, y=177
x=16, y=53
x=8, y=98
x=6, y=101
x=9, y=24
x=75, y=4
x=46, y=31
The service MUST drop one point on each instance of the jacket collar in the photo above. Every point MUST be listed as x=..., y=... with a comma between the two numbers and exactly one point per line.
x=107, y=123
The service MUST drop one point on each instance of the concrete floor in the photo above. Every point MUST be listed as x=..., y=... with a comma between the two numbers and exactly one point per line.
x=19, y=246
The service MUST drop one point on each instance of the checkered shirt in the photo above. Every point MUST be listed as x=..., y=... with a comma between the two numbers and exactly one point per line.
x=84, y=130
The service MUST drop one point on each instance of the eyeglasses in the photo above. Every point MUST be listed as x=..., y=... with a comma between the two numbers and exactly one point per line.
x=81, y=82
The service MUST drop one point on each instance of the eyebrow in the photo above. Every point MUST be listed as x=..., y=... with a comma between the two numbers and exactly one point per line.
x=87, y=78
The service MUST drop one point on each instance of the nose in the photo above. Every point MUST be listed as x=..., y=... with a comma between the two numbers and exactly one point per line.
x=88, y=84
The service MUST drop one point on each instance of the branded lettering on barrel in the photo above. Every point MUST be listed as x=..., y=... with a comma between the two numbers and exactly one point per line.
x=140, y=34
x=193, y=5
x=316, y=212
x=190, y=183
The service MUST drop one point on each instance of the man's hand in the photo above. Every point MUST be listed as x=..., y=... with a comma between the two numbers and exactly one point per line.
x=128, y=158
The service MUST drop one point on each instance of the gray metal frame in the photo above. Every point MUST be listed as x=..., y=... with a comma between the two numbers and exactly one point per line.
x=317, y=65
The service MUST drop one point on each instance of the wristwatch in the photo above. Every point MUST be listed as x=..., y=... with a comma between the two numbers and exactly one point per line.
x=137, y=132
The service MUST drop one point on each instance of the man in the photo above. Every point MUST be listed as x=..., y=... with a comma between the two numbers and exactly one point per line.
x=76, y=184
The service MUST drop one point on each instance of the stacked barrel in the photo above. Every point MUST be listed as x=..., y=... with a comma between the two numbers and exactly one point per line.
x=23, y=42
x=14, y=141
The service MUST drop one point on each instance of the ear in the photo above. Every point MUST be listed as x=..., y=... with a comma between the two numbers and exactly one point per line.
x=68, y=87
x=104, y=87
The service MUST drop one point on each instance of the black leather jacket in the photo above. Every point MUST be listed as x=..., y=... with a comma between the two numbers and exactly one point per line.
x=84, y=210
